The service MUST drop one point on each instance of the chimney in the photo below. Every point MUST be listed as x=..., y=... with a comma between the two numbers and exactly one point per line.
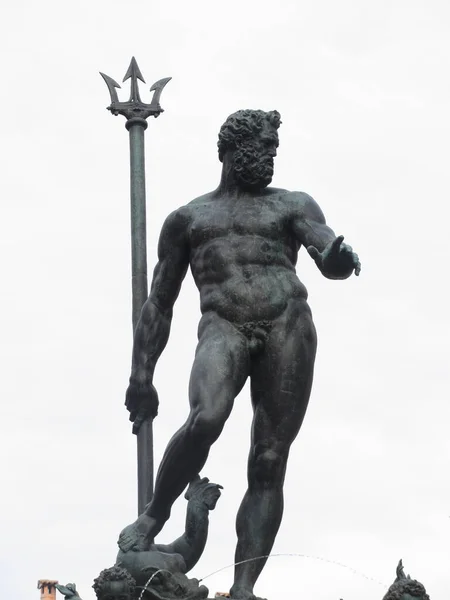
x=48, y=589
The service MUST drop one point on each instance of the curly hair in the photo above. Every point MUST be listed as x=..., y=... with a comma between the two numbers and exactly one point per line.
x=406, y=586
x=114, y=574
x=243, y=125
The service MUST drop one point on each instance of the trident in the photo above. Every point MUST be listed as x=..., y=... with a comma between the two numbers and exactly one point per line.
x=136, y=112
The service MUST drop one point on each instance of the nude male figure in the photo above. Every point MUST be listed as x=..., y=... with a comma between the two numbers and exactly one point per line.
x=241, y=242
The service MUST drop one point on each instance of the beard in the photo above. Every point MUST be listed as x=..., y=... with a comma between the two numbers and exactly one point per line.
x=252, y=170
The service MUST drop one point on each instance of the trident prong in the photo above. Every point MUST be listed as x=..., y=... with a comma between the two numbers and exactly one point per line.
x=135, y=108
x=111, y=87
x=134, y=74
x=158, y=88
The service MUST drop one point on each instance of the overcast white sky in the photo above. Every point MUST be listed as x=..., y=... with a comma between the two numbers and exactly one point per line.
x=363, y=90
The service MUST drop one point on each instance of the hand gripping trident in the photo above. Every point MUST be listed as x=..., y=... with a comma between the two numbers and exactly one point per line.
x=136, y=112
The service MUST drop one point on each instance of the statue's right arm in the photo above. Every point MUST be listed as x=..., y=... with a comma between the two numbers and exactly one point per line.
x=153, y=328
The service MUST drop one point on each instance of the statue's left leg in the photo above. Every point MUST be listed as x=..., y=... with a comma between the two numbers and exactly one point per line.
x=281, y=380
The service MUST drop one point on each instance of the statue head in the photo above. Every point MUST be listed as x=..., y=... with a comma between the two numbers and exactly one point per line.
x=250, y=139
x=114, y=583
x=405, y=588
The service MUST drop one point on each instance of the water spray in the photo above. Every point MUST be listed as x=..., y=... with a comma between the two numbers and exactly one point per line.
x=333, y=562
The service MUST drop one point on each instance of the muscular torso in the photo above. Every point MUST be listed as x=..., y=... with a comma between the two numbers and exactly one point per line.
x=243, y=253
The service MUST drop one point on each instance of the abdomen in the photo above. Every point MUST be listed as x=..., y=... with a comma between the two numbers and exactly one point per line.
x=254, y=293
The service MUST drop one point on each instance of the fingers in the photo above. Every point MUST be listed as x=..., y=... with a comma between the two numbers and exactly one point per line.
x=142, y=405
x=130, y=401
x=336, y=245
x=214, y=490
x=214, y=486
x=140, y=417
x=348, y=250
x=212, y=495
x=201, y=486
x=313, y=252
x=356, y=263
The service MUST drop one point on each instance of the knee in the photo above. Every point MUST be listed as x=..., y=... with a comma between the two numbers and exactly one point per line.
x=205, y=426
x=267, y=466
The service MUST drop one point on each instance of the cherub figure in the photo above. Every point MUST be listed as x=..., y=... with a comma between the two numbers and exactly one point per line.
x=115, y=584
x=167, y=564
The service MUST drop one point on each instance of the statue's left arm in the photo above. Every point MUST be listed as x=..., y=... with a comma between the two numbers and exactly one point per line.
x=335, y=259
x=202, y=497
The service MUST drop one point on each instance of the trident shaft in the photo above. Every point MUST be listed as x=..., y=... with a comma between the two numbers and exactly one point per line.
x=136, y=112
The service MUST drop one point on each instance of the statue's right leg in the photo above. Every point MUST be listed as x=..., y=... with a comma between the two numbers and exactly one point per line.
x=220, y=369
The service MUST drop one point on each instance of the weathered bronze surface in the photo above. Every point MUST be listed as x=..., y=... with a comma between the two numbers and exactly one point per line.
x=241, y=242
x=405, y=588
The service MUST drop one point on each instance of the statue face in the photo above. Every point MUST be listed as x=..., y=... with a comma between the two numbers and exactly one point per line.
x=115, y=590
x=253, y=160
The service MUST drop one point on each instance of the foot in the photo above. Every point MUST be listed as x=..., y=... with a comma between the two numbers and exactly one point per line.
x=243, y=593
x=139, y=535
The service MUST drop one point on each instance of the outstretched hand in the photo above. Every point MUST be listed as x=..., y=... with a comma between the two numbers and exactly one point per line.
x=337, y=261
x=142, y=402
x=202, y=490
